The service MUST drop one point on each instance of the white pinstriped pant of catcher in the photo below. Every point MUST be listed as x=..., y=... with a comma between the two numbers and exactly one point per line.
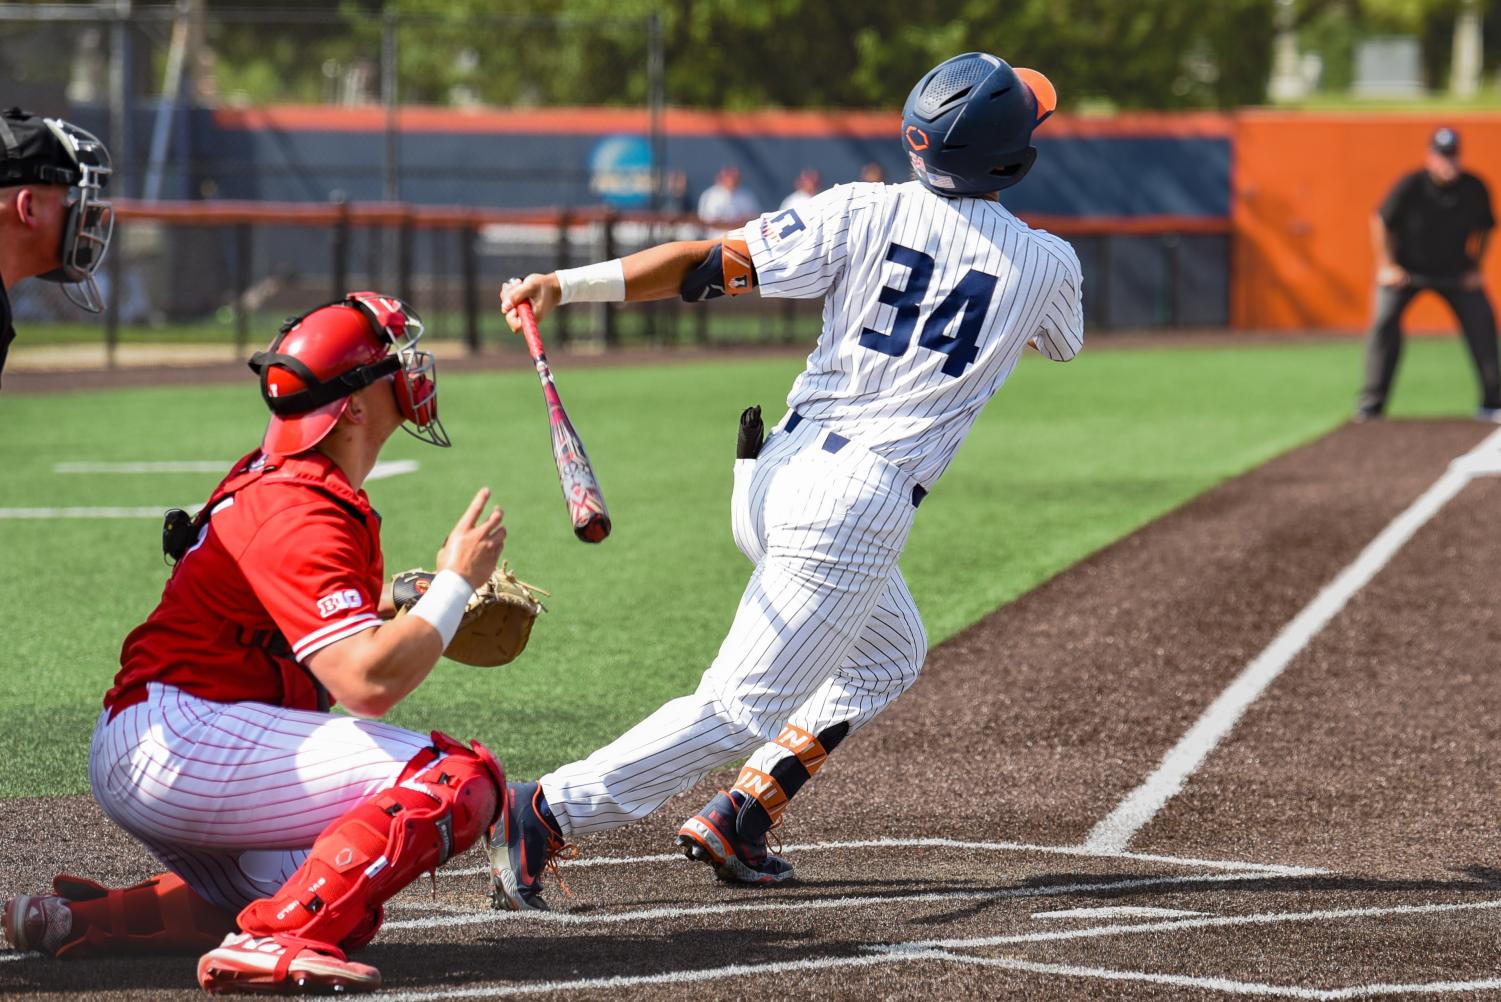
x=230, y=796
x=826, y=632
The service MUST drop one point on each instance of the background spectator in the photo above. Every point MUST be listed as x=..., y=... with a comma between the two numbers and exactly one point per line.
x=724, y=204
x=808, y=184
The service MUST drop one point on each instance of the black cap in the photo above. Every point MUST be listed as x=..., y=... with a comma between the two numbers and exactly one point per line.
x=34, y=151
x=1445, y=142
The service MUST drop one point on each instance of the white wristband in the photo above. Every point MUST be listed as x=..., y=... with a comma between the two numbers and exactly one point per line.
x=593, y=283
x=443, y=603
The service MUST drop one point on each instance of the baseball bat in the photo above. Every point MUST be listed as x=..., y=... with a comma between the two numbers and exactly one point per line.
x=581, y=493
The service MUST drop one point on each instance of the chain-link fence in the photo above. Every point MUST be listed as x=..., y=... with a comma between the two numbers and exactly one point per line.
x=226, y=273
x=316, y=103
x=269, y=158
x=321, y=109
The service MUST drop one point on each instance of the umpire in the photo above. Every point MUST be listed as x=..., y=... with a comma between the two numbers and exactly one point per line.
x=1431, y=232
x=54, y=221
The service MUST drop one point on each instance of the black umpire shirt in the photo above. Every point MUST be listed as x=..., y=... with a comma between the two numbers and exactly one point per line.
x=1431, y=224
x=7, y=329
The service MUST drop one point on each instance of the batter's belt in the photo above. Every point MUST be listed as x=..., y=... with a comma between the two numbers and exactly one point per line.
x=833, y=442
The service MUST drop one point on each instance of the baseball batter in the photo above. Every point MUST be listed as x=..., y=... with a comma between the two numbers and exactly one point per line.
x=931, y=292
x=216, y=748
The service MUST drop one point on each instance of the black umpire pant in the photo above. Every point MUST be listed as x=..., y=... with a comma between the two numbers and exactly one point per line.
x=1472, y=308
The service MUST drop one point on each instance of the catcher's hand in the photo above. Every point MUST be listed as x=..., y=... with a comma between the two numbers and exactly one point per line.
x=497, y=621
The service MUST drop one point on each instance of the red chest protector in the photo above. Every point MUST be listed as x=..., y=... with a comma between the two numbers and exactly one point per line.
x=181, y=531
x=163, y=650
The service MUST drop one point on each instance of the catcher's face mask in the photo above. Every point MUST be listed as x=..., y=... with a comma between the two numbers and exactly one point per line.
x=416, y=381
x=90, y=220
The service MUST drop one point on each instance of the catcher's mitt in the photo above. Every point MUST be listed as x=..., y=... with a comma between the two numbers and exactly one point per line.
x=497, y=621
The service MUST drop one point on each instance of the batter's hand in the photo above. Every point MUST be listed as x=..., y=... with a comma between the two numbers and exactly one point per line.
x=1472, y=280
x=1392, y=275
x=473, y=547
x=542, y=291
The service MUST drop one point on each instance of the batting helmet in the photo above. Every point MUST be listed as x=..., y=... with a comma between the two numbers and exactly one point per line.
x=967, y=125
x=321, y=357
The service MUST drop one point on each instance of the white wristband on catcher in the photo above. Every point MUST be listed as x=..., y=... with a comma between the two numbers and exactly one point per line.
x=594, y=283
x=443, y=604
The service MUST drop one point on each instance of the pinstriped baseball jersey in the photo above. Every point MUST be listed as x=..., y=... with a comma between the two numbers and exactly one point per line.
x=929, y=302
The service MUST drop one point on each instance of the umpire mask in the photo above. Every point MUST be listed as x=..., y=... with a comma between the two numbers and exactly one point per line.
x=39, y=150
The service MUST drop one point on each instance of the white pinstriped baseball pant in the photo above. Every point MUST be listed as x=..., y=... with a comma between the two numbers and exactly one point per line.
x=230, y=796
x=826, y=632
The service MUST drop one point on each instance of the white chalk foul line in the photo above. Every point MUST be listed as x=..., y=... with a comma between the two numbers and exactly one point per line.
x=393, y=468
x=949, y=843
x=144, y=511
x=1115, y=911
x=842, y=903
x=381, y=471
x=900, y=953
x=1220, y=984
x=671, y=978
x=1141, y=805
x=1205, y=922
x=136, y=468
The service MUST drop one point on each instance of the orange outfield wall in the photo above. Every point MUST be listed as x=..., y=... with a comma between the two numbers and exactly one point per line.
x=1305, y=188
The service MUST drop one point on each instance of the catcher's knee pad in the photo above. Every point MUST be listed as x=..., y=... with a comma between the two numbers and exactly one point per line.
x=439, y=805
x=768, y=792
x=159, y=915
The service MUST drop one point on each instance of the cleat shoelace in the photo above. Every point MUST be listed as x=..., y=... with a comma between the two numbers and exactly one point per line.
x=557, y=850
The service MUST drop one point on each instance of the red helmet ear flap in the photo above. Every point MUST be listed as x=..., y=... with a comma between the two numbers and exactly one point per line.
x=415, y=399
x=416, y=389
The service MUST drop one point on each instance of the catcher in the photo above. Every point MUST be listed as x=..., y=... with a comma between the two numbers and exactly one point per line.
x=283, y=827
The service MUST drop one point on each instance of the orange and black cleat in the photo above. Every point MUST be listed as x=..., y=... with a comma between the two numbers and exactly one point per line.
x=713, y=836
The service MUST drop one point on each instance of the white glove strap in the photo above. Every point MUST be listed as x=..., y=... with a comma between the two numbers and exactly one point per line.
x=443, y=603
x=594, y=283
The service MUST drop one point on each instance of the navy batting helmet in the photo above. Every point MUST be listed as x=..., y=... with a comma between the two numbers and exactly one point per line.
x=968, y=123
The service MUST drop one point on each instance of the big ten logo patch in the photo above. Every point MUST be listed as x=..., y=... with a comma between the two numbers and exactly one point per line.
x=349, y=598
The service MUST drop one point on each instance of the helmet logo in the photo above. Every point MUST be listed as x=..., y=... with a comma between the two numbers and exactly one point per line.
x=916, y=138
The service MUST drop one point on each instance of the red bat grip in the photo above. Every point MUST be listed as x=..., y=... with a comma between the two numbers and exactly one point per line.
x=529, y=330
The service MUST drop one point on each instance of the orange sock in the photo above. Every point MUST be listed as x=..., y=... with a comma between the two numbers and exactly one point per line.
x=159, y=915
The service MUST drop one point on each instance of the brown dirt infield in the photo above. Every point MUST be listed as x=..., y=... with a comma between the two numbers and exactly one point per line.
x=1339, y=843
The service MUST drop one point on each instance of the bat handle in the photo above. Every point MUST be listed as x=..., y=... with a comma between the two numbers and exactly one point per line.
x=529, y=328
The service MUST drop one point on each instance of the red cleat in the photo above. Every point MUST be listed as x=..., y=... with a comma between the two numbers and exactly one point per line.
x=36, y=922
x=281, y=965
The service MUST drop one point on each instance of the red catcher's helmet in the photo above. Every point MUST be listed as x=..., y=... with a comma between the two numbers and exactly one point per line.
x=320, y=358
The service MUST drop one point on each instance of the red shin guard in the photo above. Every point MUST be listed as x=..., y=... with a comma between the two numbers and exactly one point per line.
x=440, y=804
x=160, y=915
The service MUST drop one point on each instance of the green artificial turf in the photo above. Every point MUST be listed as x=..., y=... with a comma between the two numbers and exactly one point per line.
x=1065, y=460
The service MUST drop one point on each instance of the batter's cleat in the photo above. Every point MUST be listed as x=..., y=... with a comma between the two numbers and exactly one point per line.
x=281, y=965
x=41, y=922
x=523, y=845
x=1490, y=415
x=712, y=836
